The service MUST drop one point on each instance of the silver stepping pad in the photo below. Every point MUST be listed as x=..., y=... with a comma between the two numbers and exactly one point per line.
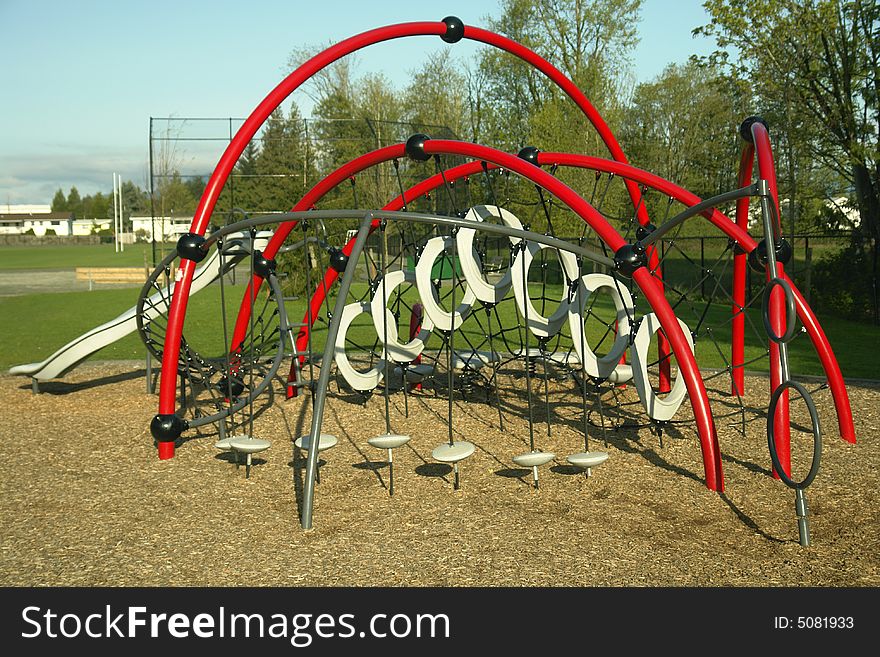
x=247, y=445
x=326, y=441
x=388, y=441
x=415, y=373
x=472, y=359
x=224, y=444
x=453, y=453
x=533, y=459
x=588, y=459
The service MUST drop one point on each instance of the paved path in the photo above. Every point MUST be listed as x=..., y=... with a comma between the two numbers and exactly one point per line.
x=14, y=283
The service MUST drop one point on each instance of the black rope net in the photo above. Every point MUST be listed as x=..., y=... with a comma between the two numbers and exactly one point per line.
x=496, y=360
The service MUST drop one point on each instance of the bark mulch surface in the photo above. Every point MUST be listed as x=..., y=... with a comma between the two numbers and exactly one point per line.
x=85, y=502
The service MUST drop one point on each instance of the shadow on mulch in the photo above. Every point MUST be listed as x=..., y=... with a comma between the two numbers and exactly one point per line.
x=65, y=388
x=433, y=469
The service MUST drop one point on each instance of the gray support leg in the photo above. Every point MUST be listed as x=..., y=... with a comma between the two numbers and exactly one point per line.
x=324, y=377
x=390, y=473
x=35, y=386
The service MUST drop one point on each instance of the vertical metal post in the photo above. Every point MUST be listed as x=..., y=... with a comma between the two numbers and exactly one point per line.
x=808, y=269
x=702, y=268
x=324, y=377
x=152, y=200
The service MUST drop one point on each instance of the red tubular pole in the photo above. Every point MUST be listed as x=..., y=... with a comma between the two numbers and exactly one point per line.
x=696, y=389
x=829, y=362
x=738, y=332
x=781, y=422
x=687, y=366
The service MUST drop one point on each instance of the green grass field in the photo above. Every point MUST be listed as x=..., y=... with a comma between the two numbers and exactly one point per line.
x=69, y=257
x=34, y=326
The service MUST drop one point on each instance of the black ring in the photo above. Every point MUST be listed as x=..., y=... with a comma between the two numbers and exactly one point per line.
x=817, y=434
x=790, y=311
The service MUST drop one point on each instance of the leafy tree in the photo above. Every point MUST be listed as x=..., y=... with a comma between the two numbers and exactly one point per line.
x=245, y=187
x=588, y=40
x=135, y=201
x=195, y=185
x=683, y=126
x=431, y=98
x=820, y=60
x=97, y=206
x=175, y=196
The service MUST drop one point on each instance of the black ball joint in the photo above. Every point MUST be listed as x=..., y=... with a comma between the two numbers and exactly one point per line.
x=758, y=257
x=454, y=29
x=629, y=258
x=191, y=247
x=643, y=231
x=745, y=128
x=338, y=260
x=530, y=155
x=262, y=265
x=166, y=428
x=231, y=386
x=415, y=147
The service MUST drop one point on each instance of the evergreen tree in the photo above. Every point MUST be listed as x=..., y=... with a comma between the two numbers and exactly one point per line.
x=282, y=162
x=59, y=202
x=74, y=203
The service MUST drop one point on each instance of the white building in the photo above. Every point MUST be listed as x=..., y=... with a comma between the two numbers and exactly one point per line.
x=168, y=229
x=19, y=223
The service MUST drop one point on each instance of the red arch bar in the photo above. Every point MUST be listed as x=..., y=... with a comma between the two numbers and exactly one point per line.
x=649, y=286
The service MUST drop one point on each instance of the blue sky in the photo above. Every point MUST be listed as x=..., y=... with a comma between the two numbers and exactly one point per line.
x=81, y=79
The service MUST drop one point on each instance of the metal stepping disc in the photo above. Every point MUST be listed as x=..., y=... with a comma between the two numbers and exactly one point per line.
x=388, y=441
x=533, y=459
x=453, y=453
x=415, y=373
x=472, y=359
x=225, y=444
x=588, y=459
x=326, y=441
x=247, y=445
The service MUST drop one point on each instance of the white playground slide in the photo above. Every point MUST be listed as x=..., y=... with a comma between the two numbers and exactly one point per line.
x=78, y=349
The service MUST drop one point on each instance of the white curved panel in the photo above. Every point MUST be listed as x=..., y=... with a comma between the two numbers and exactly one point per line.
x=398, y=352
x=656, y=408
x=471, y=266
x=362, y=381
x=543, y=327
x=442, y=319
x=600, y=367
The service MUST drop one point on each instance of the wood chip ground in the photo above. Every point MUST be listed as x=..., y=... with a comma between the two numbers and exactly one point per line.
x=85, y=502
